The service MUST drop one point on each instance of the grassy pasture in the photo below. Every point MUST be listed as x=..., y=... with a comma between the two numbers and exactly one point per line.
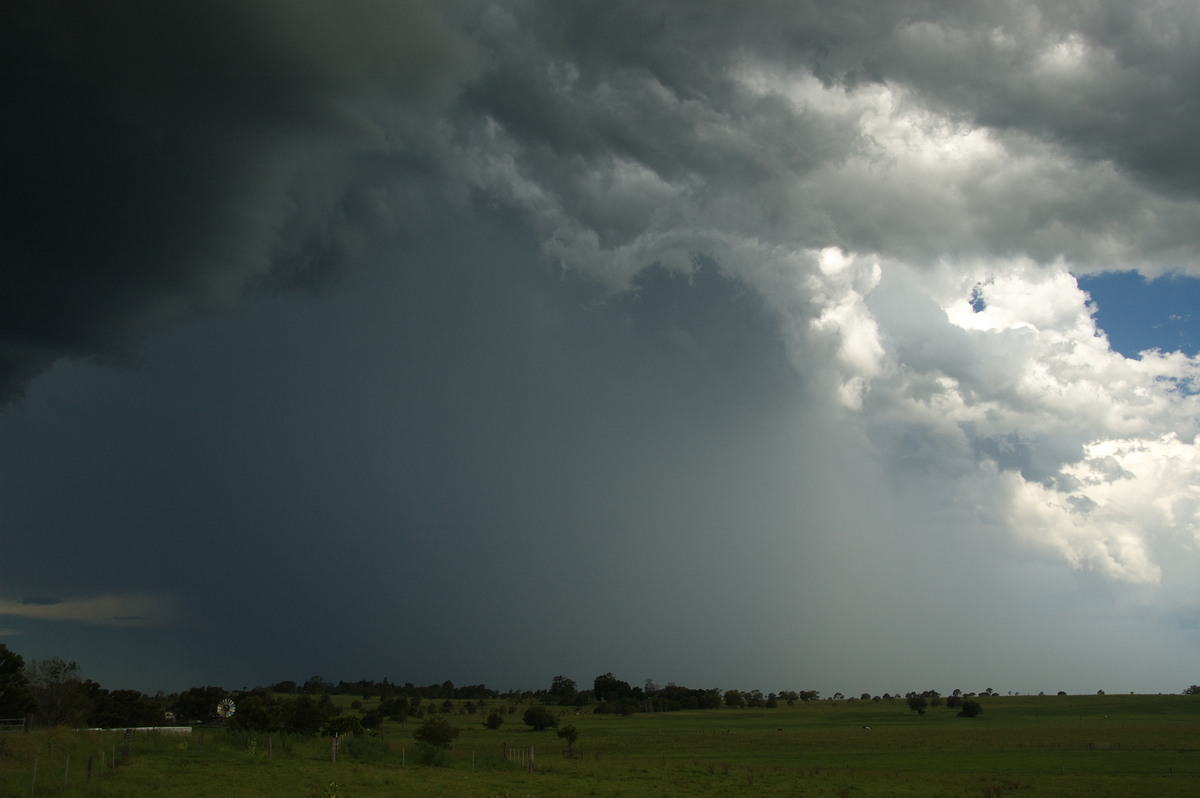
x=1020, y=745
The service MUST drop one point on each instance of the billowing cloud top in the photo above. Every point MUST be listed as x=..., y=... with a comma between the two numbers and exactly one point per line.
x=908, y=188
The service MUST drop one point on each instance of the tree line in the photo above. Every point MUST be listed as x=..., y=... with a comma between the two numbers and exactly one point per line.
x=53, y=692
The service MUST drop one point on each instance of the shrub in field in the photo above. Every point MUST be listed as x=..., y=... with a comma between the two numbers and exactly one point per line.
x=570, y=734
x=437, y=732
x=344, y=724
x=917, y=704
x=970, y=709
x=539, y=718
x=303, y=715
x=431, y=755
x=494, y=721
x=366, y=748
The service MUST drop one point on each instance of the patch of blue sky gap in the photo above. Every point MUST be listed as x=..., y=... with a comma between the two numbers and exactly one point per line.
x=1138, y=314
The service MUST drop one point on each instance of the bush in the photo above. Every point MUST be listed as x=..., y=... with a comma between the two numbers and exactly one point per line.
x=437, y=732
x=570, y=734
x=540, y=718
x=970, y=709
x=343, y=724
x=366, y=748
x=494, y=721
x=432, y=755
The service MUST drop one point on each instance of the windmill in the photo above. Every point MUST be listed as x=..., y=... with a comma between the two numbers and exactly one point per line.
x=226, y=708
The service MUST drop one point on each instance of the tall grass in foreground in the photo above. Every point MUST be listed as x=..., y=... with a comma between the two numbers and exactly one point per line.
x=1021, y=746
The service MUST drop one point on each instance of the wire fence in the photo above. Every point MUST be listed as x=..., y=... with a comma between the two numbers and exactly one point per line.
x=14, y=725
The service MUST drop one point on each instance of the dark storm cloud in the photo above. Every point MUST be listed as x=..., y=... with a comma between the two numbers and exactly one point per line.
x=167, y=158
x=161, y=158
x=810, y=315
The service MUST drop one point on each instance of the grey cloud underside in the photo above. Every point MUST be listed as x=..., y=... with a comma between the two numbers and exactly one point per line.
x=169, y=158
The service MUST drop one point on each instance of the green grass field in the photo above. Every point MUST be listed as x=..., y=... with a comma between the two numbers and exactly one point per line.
x=1021, y=745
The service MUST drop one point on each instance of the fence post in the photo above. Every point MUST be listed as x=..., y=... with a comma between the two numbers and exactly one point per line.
x=531, y=759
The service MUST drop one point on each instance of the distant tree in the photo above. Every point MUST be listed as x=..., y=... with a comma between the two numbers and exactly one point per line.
x=539, y=718
x=1062, y=692
x=563, y=690
x=1192, y=690
x=258, y=713
x=306, y=715
x=734, y=699
x=15, y=699
x=494, y=721
x=343, y=724
x=59, y=695
x=865, y=697
x=917, y=704
x=954, y=702
x=197, y=704
x=284, y=687
x=1099, y=692
x=120, y=708
x=970, y=709
x=570, y=734
x=395, y=708
x=708, y=699
x=436, y=731
x=316, y=685
x=607, y=687
x=372, y=718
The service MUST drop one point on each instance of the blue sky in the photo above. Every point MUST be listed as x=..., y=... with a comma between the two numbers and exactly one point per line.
x=490, y=341
x=1137, y=314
